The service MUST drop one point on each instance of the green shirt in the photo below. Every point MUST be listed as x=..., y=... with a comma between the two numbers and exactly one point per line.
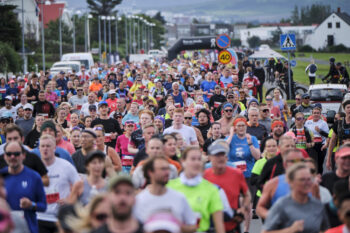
x=257, y=169
x=204, y=200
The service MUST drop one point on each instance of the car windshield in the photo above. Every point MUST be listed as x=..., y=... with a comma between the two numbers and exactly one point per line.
x=327, y=95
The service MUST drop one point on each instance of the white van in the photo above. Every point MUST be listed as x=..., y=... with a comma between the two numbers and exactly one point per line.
x=84, y=58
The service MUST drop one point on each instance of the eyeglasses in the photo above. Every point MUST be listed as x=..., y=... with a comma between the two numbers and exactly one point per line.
x=313, y=171
x=188, y=118
x=299, y=118
x=265, y=110
x=228, y=110
x=295, y=160
x=101, y=217
x=16, y=154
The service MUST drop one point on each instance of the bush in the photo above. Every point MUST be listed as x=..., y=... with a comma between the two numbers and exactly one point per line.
x=338, y=48
x=10, y=61
x=305, y=48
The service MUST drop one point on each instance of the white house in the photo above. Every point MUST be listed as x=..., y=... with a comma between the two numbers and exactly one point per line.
x=334, y=30
x=31, y=16
x=266, y=33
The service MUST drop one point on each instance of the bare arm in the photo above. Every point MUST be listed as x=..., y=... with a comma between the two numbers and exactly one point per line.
x=188, y=228
x=117, y=164
x=77, y=190
x=255, y=152
x=265, y=199
x=218, y=218
x=132, y=149
x=331, y=146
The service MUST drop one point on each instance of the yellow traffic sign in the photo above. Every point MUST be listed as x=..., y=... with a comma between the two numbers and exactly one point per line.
x=225, y=57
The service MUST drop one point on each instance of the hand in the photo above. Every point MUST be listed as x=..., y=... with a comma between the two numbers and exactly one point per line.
x=309, y=145
x=317, y=129
x=249, y=138
x=297, y=226
x=324, y=147
x=61, y=201
x=25, y=203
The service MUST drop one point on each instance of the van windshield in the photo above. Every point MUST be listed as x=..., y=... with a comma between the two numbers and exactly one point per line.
x=327, y=95
x=84, y=63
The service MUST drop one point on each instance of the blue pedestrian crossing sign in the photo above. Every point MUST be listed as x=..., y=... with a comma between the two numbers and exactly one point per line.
x=293, y=63
x=287, y=42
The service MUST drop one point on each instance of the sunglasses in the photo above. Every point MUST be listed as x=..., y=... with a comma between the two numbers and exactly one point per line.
x=268, y=99
x=295, y=160
x=188, y=118
x=98, y=128
x=229, y=97
x=16, y=154
x=228, y=110
x=299, y=118
x=80, y=90
x=297, y=99
x=27, y=109
x=306, y=98
x=265, y=110
x=101, y=217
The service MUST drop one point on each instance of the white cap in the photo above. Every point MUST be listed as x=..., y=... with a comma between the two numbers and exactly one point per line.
x=9, y=97
x=28, y=106
x=111, y=92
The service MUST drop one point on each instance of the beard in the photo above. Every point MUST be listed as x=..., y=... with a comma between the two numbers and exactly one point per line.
x=121, y=216
x=278, y=134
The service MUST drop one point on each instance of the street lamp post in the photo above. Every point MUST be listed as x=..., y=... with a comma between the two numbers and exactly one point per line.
x=133, y=34
x=23, y=56
x=126, y=35
x=130, y=35
x=73, y=35
x=88, y=31
x=42, y=31
x=138, y=33
x=104, y=33
x=99, y=37
x=60, y=11
x=116, y=32
x=152, y=25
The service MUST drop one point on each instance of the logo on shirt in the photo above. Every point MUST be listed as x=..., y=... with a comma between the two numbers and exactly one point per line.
x=24, y=184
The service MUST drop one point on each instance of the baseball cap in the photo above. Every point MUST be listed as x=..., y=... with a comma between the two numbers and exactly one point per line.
x=111, y=92
x=94, y=154
x=343, y=151
x=62, y=72
x=318, y=105
x=217, y=86
x=253, y=100
x=92, y=107
x=92, y=133
x=305, y=95
x=217, y=148
x=12, y=81
x=129, y=122
x=26, y=106
x=6, y=114
x=8, y=97
x=119, y=179
x=48, y=124
x=162, y=221
x=96, y=78
x=103, y=102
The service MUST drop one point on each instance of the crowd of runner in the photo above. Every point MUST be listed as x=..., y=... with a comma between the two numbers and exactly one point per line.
x=182, y=146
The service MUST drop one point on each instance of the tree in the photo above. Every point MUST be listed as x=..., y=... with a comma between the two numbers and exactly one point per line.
x=159, y=17
x=10, y=29
x=10, y=61
x=103, y=7
x=295, y=16
x=276, y=36
x=254, y=41
x=313, y=14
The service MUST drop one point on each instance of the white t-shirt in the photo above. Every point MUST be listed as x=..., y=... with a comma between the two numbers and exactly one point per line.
x=62, y=176
x=77, y=102
x=322, y=125
x=147, y=204
x=188, y=133
x=13, y=110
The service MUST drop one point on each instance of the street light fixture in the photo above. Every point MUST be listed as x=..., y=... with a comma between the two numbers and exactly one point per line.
x=89, y=16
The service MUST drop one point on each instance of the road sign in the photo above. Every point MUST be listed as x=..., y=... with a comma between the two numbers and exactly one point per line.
x=225, y=57
x=293, y=63
x=287, y=42
x=223, y=41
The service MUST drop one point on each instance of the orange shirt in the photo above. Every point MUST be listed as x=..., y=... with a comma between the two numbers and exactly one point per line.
x=95, y=87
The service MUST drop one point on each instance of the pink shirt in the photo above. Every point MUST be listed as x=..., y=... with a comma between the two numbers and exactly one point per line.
x=67, y=146
x=122, y=145
x=51, y=97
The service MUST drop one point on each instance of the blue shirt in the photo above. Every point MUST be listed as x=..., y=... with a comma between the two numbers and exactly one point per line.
x=27, y=184
x=130, y=117
x=207, y=86
x=62, y=83
x=240, y=152
x=225, y=80
x=62, y=153
x=12, y=91
x=178, y=99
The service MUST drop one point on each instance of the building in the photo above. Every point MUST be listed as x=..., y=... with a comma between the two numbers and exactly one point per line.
x=266, y=33
x=31, y=16
x=334, y=30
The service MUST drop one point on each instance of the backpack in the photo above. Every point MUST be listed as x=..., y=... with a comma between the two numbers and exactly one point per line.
x=313, y=68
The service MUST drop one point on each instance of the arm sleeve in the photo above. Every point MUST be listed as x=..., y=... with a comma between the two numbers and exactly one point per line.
x=39, y=166
x=40, y=198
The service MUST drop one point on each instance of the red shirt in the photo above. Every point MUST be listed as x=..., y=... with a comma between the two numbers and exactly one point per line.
x=233, y=183
x=338, y=229
x=112, y=104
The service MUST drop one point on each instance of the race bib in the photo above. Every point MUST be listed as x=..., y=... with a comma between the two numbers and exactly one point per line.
x=45, y=115
x=241, y=165
x=62, y=93
x=177, y=105
x=127, y=160
x=52, y=198
x=217, y=104
x=79, y=107
x=108, y=137
x=159, y=97
x=209, y=95
x=3, y=90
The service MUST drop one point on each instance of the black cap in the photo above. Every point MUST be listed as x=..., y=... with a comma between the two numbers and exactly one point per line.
x=332, y=59
x=92, y=107
x=92, y=133
x=94, y=154
x=48, y=124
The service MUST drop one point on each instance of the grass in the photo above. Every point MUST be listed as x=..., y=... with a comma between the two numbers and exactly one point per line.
x=299, y=71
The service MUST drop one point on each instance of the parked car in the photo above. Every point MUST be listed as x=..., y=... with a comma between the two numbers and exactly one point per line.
x=84, y=58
